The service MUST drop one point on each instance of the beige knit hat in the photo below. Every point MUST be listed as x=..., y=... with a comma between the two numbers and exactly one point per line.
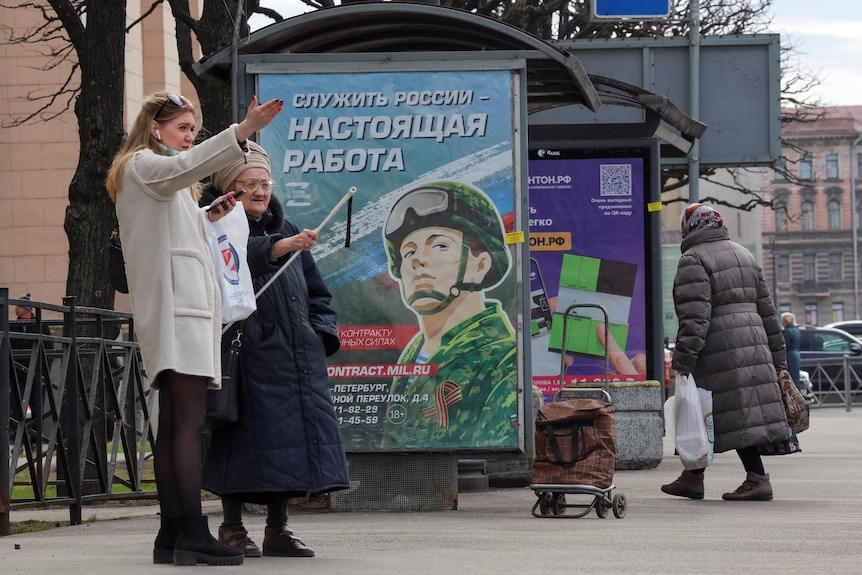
x=256, y=158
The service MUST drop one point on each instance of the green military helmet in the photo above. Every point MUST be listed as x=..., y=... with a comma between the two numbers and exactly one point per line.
x=454, y=205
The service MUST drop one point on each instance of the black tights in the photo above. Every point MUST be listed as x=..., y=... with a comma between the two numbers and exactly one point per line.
x=276, y=512
x=177, y=465
x=751, y=461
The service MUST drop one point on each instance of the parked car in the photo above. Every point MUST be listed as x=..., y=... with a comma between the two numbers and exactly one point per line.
x=853, y=327
x=822, y=351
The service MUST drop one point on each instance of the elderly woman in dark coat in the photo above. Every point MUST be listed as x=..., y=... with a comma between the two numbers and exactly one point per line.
x=287, y=442
x=730, y=340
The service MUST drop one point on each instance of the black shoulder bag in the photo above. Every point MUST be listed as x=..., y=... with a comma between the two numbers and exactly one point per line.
x=117, y=263
x=223, y=404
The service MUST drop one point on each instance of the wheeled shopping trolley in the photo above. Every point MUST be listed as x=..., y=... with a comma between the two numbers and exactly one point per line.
x=576, y=446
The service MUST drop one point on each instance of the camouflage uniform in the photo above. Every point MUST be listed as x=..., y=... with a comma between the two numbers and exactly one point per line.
x=472, y=401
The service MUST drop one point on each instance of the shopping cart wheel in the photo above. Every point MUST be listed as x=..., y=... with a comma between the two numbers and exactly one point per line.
x=601, y=507
x=545, y=503
x=619, y=506
x=559, y=505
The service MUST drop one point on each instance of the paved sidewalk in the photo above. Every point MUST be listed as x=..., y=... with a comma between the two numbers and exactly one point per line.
x=813, y=526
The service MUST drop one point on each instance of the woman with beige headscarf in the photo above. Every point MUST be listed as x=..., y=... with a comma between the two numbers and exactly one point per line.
x=287, y=441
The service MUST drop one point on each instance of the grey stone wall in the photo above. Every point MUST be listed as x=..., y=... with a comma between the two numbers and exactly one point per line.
x=640, y=426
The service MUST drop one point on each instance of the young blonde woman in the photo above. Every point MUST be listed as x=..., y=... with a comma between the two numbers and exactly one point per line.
x=175, y=297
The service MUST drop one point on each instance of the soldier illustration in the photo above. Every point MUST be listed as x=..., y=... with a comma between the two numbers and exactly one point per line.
x=446, y=247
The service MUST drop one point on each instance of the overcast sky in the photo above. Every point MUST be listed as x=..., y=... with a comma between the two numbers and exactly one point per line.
x=827, y=35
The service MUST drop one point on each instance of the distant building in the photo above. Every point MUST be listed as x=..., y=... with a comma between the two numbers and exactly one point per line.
x=809, y=258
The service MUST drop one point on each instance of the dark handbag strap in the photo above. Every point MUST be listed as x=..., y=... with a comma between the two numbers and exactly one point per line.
x=230, y=364
x=550, y=431
x=234, y=336
x=117, y=263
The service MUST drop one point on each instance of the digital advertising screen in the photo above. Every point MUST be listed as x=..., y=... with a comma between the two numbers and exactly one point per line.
x=590, y=263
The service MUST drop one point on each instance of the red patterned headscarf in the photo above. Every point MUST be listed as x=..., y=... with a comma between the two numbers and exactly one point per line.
x=699, y=217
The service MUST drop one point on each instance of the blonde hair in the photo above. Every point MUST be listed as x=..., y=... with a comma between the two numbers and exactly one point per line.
x=791, y=319
x=140, y=137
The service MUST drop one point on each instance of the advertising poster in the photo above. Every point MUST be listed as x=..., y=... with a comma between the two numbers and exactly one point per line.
x=587, y=233
x=425, y=292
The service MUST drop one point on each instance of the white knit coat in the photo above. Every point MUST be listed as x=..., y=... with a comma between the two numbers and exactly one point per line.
x=172, y=283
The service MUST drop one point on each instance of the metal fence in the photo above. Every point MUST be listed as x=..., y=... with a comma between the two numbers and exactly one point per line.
x=77, y=421
x=834, y=381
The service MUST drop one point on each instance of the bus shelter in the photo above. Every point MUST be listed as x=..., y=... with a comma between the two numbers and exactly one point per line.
x=424, y=110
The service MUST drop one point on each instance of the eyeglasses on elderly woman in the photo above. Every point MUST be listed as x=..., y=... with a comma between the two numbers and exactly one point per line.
x=251, y=184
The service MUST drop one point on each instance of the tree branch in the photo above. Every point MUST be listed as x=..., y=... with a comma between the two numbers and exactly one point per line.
x=180, y=11
x=69, y=16
x=144, y=15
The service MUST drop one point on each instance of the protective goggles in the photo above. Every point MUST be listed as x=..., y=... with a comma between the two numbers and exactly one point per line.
x=423, y=201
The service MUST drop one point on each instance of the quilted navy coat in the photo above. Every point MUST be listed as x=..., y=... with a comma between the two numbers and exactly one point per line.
x=730, y=339
x=287, y=440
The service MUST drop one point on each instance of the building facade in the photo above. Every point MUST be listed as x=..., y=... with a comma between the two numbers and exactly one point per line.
x=38, y=158
x=810, y=249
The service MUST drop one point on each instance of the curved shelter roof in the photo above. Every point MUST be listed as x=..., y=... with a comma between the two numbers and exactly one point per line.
x=555, y=77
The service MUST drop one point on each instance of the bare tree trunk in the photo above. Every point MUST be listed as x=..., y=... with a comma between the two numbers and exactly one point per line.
x=90, y=216
x=214, y=32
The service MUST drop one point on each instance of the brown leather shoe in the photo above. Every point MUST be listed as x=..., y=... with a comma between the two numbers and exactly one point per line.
x=754, y=488
x=237, y=538
x=283, y=542
x=687, y=485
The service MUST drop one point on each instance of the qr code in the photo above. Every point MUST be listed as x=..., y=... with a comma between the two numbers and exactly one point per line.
x=616, y=179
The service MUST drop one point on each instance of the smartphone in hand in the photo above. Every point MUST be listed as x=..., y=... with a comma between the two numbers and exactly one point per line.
x=219, y=205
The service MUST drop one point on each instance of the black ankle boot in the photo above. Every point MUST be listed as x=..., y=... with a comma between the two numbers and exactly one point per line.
x=163, y=549
x=195, y=544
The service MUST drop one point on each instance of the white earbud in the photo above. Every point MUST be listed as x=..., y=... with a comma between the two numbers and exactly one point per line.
x=157, y=134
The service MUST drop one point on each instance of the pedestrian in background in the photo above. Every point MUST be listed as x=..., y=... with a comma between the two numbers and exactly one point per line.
x=287, y=442
x=730, y=340
x=792, y=338
x=36, y=401
x=175, y=297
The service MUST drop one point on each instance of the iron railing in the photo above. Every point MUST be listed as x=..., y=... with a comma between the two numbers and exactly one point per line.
x=77, y=421
x=834, y=381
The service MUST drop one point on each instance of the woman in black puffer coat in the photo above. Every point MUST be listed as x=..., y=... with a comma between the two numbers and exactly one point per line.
x=730, y=340
x=287, y=442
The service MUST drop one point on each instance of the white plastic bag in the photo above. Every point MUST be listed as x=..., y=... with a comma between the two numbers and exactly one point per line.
x=706, y=405
x=694, y=433
x=228, y=238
